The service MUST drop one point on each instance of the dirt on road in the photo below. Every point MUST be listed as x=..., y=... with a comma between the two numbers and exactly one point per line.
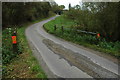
x=80, y=61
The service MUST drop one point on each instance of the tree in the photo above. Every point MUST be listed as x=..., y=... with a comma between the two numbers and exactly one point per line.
x=17, y=13
x=61, y=7
x=77, y=7
x=69, y=6
x=102, y=17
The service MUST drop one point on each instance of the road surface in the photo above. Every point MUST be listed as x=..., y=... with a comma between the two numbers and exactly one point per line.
x=44, y=47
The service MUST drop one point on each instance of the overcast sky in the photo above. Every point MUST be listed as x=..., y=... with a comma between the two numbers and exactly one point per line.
x=66, y=2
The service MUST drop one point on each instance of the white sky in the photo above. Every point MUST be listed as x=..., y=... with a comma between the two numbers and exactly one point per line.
x=66, y=2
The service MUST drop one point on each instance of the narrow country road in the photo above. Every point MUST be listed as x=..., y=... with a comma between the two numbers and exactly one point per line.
x=61, y=59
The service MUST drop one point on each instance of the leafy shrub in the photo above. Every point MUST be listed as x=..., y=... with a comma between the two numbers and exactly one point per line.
x=7, y=46
x=117, y=45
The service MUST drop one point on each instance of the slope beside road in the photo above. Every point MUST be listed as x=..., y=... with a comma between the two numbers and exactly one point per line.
x=61, y=59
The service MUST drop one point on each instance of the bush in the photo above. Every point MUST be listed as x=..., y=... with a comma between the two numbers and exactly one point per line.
x=7, y=46
x=115, y=46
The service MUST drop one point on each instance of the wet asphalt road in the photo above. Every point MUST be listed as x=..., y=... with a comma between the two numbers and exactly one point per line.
x=60, y=67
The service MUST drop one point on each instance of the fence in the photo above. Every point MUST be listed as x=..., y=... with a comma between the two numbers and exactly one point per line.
x=86, y=32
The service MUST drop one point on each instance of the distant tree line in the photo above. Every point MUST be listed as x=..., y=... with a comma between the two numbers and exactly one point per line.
x=17, y=13
x=102, y=17
x=56, y=8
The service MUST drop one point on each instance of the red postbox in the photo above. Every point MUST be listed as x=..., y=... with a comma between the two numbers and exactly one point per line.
x=14, y=40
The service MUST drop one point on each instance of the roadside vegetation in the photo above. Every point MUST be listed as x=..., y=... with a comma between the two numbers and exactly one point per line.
x=87, y=40
x=17, y=16
x=21, y=64
x=18, y=13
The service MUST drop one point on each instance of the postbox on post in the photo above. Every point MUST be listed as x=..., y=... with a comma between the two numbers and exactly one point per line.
x=14, y=42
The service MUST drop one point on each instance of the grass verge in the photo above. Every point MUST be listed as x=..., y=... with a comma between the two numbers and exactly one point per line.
x=23, y=65
x=90, y=41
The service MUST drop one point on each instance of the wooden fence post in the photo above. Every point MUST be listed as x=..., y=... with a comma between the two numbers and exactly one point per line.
x=62, y=28
x=55, y=27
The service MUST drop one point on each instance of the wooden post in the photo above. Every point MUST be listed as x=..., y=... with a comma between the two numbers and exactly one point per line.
x=55, y=27
x=62, y=28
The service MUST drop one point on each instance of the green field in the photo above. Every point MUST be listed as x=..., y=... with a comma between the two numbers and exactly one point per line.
x=87, y=40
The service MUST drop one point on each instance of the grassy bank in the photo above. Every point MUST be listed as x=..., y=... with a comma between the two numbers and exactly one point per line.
x=87, y=40
x=21, y=64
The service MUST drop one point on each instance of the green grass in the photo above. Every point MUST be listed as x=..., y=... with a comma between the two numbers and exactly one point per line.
x=112, y=48
x=59, y=21
x=12, y=60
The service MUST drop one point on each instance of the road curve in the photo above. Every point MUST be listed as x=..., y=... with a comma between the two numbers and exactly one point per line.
x=60, y=67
